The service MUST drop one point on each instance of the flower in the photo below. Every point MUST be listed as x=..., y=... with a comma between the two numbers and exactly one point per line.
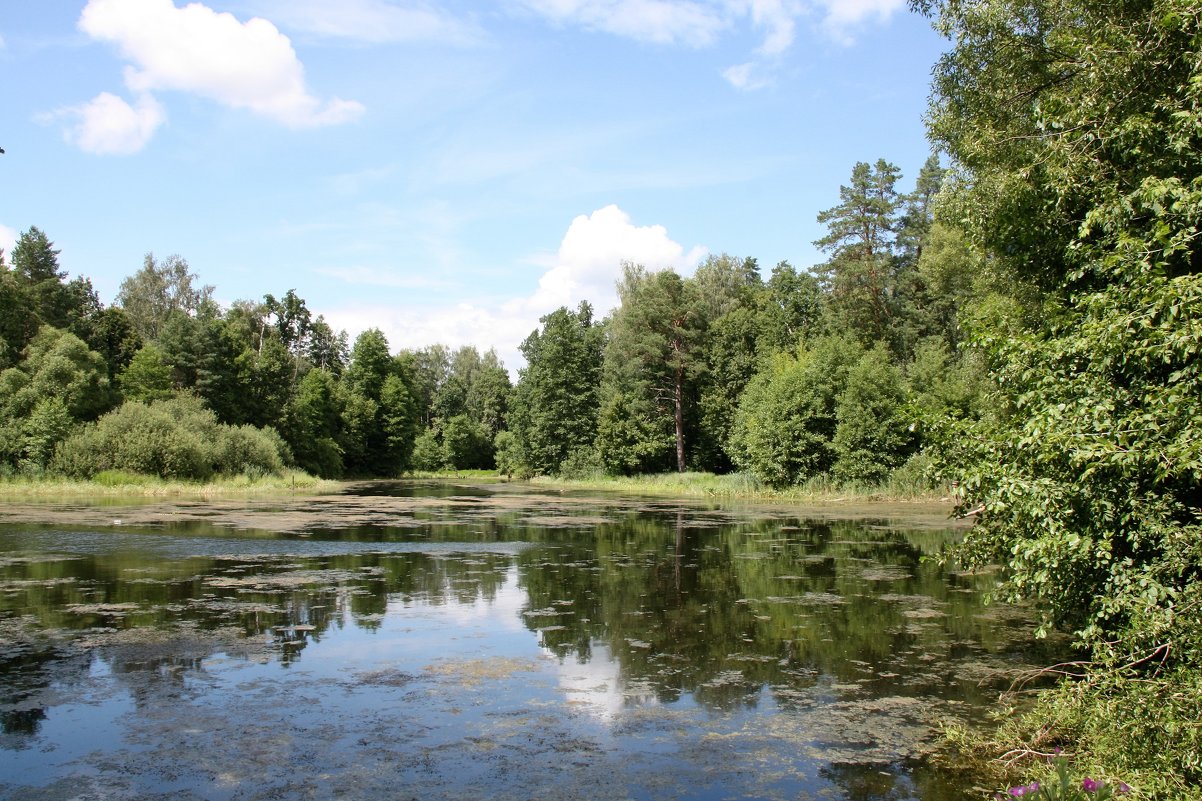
x=1091, y=786
x=1123, y=788
x=1019, y=791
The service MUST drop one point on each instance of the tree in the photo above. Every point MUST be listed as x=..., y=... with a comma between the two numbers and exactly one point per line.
x=38, y=294
x=59, y=379
x=861, y=232
x=35, y=260
x=786, y=421
x=554, y=407
x=873, y=436
x=654, y=350
x=293, y=321
x=147, y=378
x=315, y=422
x=150, y=295
x=792, y=310
x=1074, y=127
x=111, y=334
x=327, y=350
x=380, y=415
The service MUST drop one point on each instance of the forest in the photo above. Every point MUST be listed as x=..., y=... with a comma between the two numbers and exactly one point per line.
x=1022, y=324
x=811, y=374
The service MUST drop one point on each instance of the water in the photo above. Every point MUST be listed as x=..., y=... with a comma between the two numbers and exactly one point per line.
x=423, y=640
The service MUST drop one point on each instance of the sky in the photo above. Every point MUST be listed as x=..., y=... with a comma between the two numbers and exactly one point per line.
x=446, y=171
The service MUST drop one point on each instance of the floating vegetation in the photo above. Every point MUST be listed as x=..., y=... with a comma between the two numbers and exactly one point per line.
x=512, y=645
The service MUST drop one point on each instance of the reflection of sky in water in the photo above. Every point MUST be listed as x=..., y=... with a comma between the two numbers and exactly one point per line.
x=640, y=659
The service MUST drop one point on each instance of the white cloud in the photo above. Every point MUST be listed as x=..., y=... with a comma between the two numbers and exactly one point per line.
x=586, y=267
x=590, y=256
x=108, y=125
x=374, y=21
x=841, y=15
x=194, y=49
x=699, y=23
x=8, y=240
x=660, y=21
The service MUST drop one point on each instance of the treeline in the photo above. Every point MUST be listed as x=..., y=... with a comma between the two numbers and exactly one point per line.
x=825, y=373
x=165, y=382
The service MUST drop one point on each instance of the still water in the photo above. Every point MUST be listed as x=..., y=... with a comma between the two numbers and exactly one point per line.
x=441, y=641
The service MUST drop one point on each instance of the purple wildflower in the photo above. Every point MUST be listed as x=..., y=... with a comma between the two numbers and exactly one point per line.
x=1091, y=786
x=1123, y=788
x=1018, y=792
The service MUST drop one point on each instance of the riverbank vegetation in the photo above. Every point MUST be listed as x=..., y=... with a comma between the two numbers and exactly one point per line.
x=1022, y=326
x=120, y=484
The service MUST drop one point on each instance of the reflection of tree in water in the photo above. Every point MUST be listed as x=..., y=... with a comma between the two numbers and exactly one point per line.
x=724, y=611
x=155, y=622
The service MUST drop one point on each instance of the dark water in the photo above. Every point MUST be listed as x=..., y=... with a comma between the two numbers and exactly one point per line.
x=431, y=641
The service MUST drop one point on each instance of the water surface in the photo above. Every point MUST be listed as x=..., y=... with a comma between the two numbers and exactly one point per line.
x=428, y=640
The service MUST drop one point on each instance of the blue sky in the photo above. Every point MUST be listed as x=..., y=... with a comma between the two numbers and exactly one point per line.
x=445, y=171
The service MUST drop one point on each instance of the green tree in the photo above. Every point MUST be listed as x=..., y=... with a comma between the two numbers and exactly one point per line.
x=380, y=415
x=57, y=367
x=150, y=295
x=861, y=273
x=147, y=378
x=1075, y=129
x=36, y=293
x=315, y=424
x=554, y=408
x=792, y=311
x=786, y=421
x=874, y=432
x=327, y=350
x=655, y=353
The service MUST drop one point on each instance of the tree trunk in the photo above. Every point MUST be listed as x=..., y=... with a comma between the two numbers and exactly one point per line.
x=679, y=398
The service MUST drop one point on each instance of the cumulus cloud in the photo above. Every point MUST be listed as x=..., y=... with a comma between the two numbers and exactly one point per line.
x=108, y=125
x=248, y=65
x=8, y=240
x=375, y=21
x=586, y=266
x=590, y=256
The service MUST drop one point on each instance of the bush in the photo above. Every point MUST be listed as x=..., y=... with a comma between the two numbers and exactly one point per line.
x=176, y=439
x=249, y=450
x=582, y=463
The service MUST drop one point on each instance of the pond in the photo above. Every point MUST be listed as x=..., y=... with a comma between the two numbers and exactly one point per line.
x=426, y=640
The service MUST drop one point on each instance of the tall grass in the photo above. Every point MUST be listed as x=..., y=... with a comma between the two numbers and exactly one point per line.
x=119, y=483
x=744, y=485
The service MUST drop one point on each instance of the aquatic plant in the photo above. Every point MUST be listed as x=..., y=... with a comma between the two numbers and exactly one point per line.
x=1066, y=788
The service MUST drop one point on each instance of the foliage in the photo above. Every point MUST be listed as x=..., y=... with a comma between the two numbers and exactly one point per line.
x=380, y=416
x=174, y=439
x=150, y=295
x=58, y=384
x=1075, y=127
x=654, y=353
x=507, y=455
x=147, y=378
x=874, y=434
x=787, y=418
x=555, y=406
x=1065, y=788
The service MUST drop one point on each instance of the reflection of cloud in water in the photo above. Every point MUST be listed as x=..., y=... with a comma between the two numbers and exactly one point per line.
x=500, y=612
x=597, y=686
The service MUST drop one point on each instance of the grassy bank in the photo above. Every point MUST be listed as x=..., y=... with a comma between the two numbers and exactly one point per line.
x=744, y=486
x=120, y=484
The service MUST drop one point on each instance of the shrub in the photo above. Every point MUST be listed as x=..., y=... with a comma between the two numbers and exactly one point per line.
x=177, y=439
